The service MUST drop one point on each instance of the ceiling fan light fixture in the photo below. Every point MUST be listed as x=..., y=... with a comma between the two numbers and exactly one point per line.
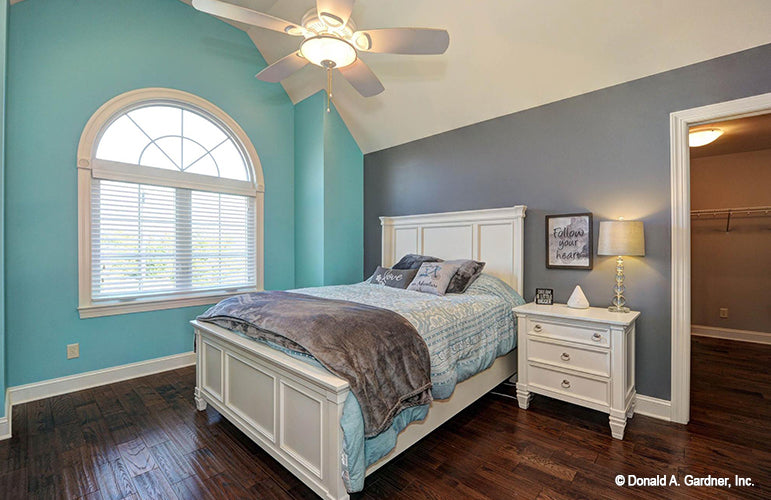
x=331, y=20
x=328, y=51
x=363, y=41
x=293, y=30
x=703, y=137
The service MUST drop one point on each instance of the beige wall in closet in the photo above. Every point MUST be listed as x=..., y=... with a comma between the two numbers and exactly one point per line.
x=731, y=269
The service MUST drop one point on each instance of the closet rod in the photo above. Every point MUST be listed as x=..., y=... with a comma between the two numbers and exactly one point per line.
x=763, y=211
x=736, y=211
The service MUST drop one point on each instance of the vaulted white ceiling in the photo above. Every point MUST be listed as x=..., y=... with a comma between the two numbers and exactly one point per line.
x=510, y=55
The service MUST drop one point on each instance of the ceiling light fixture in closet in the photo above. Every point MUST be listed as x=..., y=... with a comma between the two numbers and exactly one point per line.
x=703, y=137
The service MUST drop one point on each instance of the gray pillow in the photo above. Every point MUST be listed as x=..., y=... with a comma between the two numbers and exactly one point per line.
x=466, y=274
x=413, y=261
x=395, y=278
x=433, y=277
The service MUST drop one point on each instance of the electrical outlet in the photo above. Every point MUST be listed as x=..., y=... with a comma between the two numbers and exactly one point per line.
x=724, y=312
x=73, y=351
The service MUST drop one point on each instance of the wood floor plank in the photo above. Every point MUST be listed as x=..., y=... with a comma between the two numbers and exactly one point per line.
x=42, y=473
x=40, y=419
x=193, y=488
x=77, y=481
x=13, y=484
x=114, y=480
x=224, y=486
x=172, y=463
x=152, y=485
x=63, y=410
x=137, y=457
x=206, y=464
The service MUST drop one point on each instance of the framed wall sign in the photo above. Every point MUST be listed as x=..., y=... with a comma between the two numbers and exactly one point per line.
x=569, y=241
x=544, y=296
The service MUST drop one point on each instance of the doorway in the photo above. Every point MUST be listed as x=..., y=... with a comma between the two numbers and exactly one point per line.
x=680, y=123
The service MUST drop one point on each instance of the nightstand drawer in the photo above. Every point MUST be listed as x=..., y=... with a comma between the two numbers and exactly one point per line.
x=581, y=334
x=587, y=389
x=576, y=358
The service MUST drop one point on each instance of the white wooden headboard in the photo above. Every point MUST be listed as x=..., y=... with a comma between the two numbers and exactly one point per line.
x=494, y=236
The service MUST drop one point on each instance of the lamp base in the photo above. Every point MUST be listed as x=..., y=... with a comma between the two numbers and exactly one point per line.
x=618, y=299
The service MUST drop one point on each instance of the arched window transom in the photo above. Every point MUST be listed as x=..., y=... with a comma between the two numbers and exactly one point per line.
x=172, y=138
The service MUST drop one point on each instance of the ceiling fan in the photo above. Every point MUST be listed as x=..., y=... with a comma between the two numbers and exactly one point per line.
x=331, y=41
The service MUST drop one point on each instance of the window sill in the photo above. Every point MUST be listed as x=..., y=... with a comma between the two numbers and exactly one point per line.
x=114, y=308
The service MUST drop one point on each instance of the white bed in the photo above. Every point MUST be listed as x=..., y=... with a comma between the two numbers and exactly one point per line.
x=293, y=409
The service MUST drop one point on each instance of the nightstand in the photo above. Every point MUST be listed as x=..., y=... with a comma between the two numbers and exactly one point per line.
x=583, y=356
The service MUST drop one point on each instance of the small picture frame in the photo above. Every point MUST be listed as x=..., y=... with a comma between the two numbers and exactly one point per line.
x=544, y=296
x=569, y=241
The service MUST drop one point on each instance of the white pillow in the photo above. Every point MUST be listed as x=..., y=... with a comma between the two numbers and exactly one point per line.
x=433, y=277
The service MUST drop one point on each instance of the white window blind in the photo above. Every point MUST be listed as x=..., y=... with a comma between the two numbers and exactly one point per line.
x=149, y=240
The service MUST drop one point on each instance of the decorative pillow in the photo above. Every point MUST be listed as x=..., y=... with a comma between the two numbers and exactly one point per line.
x=395, y=278
x=466, y=274
x=413, y=261
x=433, y=277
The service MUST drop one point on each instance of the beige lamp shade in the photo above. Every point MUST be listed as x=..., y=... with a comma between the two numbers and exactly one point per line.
x=621, y=237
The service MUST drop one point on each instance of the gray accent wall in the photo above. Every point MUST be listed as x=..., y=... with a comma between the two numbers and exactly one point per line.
x=605, y=152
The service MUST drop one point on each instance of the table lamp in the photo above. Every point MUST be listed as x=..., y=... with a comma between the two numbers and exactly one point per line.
x=620, y=238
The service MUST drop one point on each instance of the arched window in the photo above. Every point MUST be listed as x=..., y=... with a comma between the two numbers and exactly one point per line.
x=170, y=200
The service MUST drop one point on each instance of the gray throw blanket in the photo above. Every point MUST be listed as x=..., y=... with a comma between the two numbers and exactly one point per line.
x=380, y=354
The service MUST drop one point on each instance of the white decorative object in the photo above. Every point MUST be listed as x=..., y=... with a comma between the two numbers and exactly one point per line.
x=578, y=300
x=292, y=409
x=585, y=357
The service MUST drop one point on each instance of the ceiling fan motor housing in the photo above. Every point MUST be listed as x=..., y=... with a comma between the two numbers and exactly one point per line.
x=317, y=25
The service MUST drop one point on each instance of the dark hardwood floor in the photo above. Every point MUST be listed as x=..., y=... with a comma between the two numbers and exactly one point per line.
x=143, y=439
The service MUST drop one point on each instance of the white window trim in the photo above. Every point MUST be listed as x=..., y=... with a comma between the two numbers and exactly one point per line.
x=89, y=168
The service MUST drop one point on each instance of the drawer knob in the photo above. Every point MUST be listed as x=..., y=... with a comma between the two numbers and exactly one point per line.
x=565, y=356
x=596, y=337
x=566, y=384
x=537, y=328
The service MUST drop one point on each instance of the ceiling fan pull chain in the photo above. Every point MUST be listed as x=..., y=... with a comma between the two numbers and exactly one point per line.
x=329, y=87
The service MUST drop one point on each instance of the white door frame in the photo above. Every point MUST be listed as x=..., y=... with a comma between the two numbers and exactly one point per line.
x=679, y=122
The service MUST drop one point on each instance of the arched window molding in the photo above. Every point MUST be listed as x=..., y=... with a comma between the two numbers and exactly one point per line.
x=94, y=170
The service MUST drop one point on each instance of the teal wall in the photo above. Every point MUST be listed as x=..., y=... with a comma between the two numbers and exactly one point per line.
x=309, y=192
x=3, y=51
x=329, y=199
x=343, y=203
x=65, y=59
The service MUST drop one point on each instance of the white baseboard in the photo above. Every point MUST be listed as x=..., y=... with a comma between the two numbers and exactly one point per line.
x=71, y=383
x=5, y=422
x=731, y=334
x=78, y=382
x=653, y=407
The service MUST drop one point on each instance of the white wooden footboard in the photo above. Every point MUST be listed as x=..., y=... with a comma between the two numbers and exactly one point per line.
x=292, y=410
x=288, y=407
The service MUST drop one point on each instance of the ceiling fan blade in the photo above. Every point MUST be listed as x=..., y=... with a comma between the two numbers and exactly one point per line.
x=334, y=13
x=403, y=40
x=362, y=78
x=247, y=16
x=282, y=68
